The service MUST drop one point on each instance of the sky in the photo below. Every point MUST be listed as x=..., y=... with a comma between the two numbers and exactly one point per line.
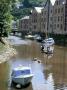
x=53, y=1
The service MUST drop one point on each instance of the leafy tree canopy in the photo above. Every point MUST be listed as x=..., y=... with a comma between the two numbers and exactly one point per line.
x=5, y=16
x=25, y=8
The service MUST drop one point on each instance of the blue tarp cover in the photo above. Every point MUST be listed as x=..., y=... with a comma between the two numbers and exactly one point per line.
x=21, y=72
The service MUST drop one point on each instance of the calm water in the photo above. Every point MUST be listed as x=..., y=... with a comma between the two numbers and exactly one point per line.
x=49, y=74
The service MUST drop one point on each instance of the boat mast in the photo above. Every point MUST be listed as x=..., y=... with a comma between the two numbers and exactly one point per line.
x=48, y=11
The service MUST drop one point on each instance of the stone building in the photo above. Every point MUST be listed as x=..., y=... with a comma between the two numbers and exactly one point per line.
x=38, y=19
x=59, y=17
x=65, y=21
x=24, y=24
x=35, y=19
x=46, y=23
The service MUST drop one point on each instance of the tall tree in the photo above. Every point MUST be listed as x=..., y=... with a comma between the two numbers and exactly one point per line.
x=5, y=16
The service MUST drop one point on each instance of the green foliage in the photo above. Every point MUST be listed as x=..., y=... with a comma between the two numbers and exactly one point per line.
x=33, y=1
x=20, y=12
x=26, y=4
x=38, y=2
x=25, y=9
x=5, y=16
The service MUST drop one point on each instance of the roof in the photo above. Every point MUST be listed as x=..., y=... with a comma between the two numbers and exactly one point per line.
x=26, y=17
x=52, y=2
x=39, y=9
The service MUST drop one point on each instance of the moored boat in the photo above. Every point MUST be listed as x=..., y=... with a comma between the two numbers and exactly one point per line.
x=48, y=49
x=49, y=41
x=21, y=75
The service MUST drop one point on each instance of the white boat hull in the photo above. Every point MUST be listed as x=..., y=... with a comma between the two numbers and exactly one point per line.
x=49, y=41
x=22, y=80
x=21, y=76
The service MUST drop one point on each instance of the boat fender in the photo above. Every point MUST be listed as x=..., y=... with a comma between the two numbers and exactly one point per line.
x=18, y=86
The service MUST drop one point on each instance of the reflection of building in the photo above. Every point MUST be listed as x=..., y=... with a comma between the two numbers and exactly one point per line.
x=59, y=68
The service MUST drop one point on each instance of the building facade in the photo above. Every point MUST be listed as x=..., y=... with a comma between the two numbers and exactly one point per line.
x=59, y=17
x=35, y=19
x=65, y=28
x=38, y=20
x=46, y=19
x=24, y=24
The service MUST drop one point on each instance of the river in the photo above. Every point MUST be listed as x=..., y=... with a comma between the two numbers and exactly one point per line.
x=50, y=71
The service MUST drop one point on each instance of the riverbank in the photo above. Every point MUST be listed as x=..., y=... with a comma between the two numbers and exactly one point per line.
x=7, y=52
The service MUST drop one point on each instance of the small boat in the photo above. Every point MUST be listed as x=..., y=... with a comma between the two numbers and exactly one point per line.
x=21, y=75
x=49, y=41
x=38, y=38
x=47, y=49
x=29, y=37
x=48, y=44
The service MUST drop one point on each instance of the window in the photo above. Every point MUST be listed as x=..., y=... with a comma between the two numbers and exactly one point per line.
x=57, y=2
x=50, y=18
x=61, y=18
x=55, y=11
x=55, y=18
x=50, y=25
x=41, y=19
x=34, y=26
x=35, y=20
x=61, y=10
x=44, y=26
x=58, y=18
x=61, y=26
x=51, y=11
x=58, y=10
x=45, y=12
x=54, y=26
x=42, y=13
x=44, y=19
x=57, y=25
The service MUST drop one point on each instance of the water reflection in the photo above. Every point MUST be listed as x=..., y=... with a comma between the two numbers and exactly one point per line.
x=4, y=74
x=39, y=80
x=16, y=41
x=49, y=74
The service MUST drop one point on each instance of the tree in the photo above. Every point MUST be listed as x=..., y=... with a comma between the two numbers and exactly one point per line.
x=26, y=4
x=5, y=17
